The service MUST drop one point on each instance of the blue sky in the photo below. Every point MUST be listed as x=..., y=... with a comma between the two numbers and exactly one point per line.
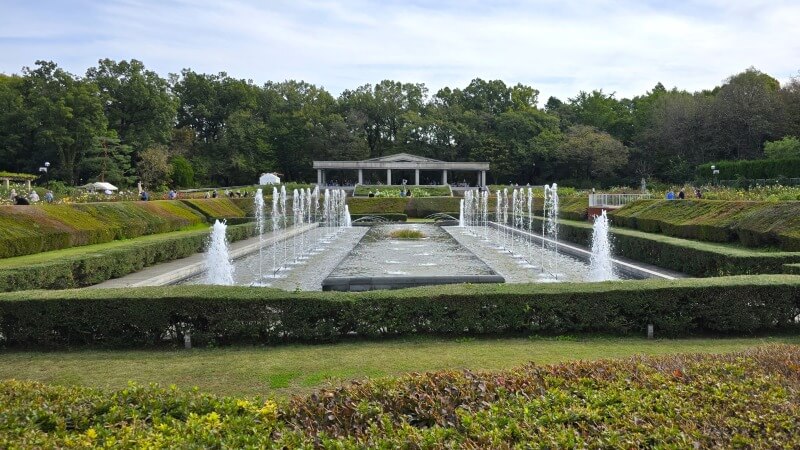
x=558, y=47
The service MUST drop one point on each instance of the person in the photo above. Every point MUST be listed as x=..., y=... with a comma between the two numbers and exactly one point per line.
x=208, y=194
x=48, y=196
x=34, y=197
x=13, y=194
x=19, y=200
x=107, y=192
x=402, y=192
x=408, y=192
x=698, y=193
x=671, y=195
x=681, y=195
x=171, y=195
x=144, y=196
x=214, y=194
x=371, y=194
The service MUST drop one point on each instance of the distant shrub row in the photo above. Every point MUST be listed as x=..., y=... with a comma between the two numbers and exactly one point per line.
x=26, y=230
x=227, y=315
x=752, y=224
x=574, y=208
x=735, y=400
x=394, y=190
x=88, y=268
x=690, y=257
x=751, y=169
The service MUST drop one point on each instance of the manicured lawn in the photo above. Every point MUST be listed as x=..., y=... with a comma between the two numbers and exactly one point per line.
x=281, y=371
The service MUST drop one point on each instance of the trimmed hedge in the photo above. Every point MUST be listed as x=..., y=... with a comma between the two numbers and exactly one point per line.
x=363, y=190
x=695, y=258
x=98, y=265
x=32, y=229
x=746, y=399
x=391, y=217
x=574, y=208
x=216, y=208
x=752, y=224
x=752, y=169
x=143, y=317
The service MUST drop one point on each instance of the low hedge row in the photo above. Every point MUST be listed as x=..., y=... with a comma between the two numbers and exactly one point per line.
x=143, y=317
x=574, y=208
x=97, y=265
x=694, y=258
x=391, y=217
x=364, y=190
x=757, y=168
x=753, y=224
x=738, y=400
x=216, y=208
x=32, y=229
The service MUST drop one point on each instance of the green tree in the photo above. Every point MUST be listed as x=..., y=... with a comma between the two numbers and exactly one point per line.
x=67, y=114
x=107, y=160
x=15, y=126
x=590, y=154
x=137, y=102
x=182, y=172
x=154, y=167
x=788, y=147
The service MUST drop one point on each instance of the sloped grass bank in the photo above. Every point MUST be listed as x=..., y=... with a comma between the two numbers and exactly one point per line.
x=32, y=229
x=216, y=208
x=696, y=258
x=88, y=265
x=223, y=315
x=752, y=224
x=748, y=399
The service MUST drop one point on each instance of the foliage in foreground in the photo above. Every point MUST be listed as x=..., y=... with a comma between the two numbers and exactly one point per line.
x=224, y=315
x=748, y=399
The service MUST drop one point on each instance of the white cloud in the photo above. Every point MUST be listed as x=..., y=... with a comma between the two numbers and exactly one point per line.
x=557, y=47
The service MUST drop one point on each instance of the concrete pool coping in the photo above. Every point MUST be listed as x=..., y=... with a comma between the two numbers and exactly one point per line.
x=181, y=269
x=629, y=266
x=358, y=284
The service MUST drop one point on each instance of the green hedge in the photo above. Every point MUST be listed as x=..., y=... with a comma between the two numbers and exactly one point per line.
x=32, y=229
x=751, y=169
x=698, y=259
x=226, y=315
x=216, y=208
x=97, y=265
x=394, y=190
x=737, y=400
x=574, y=208
x=391, y=217
x=752, y=224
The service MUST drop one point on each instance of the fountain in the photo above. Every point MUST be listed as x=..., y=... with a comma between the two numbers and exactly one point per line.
x=259, y=210
x=219, y=269
x=600, y=264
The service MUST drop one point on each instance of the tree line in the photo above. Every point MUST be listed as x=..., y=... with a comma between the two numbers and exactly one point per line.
x=121, y=122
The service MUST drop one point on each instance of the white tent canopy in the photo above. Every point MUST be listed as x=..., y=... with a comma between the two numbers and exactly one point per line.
x=269, y=178
x=98, y=186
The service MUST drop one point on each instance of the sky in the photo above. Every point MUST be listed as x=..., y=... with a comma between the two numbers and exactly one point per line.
x=560, y=47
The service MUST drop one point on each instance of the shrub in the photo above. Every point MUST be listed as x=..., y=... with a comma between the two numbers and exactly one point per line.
x=139, y=317
x=745, y=399
x=37, y=228
x=752, y=224
x=751, y=169
x=407, y=234
x=182, y=172
x=394, y=191
x=216, y=208
x=391, y=217
x=98, y=265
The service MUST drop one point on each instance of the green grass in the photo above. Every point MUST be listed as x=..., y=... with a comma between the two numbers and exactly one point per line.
x=37, y=258
x=296, y=369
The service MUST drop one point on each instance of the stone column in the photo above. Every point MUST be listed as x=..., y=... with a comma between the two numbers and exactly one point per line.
x=28, y=183
x=388, y=177
x=416, y=177
x=444, y=176
x=360, y=176
x=483, y=178
x=7, y=182
x=324, y=181
x=319, y=176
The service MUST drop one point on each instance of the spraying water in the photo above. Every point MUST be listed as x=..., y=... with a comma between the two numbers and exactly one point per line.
x=259, y=207
x=461, y=213
x=275, y=215
x=600, y=266
x=219, y=269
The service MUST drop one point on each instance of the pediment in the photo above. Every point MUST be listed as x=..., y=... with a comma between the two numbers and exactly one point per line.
x=402, y=157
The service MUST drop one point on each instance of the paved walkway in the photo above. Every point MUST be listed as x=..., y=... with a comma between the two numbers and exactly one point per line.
x=179, y=269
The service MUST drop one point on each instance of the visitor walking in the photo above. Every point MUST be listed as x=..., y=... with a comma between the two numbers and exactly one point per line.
x=698, y=193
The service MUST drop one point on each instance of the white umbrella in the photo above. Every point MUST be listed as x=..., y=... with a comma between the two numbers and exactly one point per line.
x=98, y=186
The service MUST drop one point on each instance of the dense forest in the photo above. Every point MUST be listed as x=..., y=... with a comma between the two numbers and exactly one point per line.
x=121, y=122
